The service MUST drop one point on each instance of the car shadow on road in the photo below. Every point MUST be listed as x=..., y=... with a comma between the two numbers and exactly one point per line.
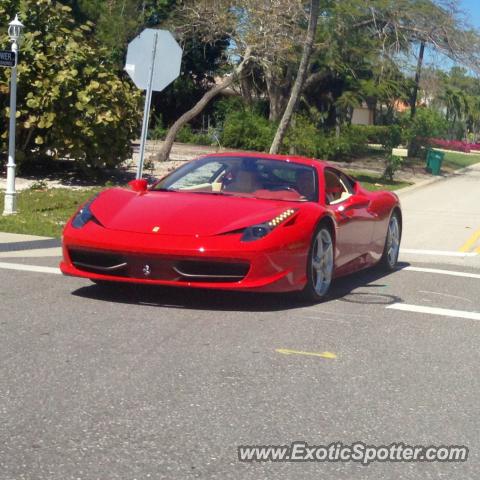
x=342, y=289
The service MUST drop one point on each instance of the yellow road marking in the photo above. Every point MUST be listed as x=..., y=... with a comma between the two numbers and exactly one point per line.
x=470, y=243
x=287, y=351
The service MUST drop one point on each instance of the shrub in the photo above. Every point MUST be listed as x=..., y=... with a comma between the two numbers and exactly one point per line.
x=308, y=140
x=349, y=144
x=187, y=135
x=158, y=132
x=71, y=102
x=304, y=138
x=389, y=136
x=392, y=165
x=247, y=130
x=425, y=124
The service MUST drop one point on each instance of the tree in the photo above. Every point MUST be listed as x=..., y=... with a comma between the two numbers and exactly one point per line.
x=71, y=104
x=264, y=32
x=300, y=80
x=116, y=22
x=199, y=106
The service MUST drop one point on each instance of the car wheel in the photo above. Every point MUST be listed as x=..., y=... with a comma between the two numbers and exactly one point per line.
x=392, y=244
x=320, y=266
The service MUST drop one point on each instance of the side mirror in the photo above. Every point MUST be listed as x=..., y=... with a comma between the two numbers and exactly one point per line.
x=140, y=185
x=357, y=201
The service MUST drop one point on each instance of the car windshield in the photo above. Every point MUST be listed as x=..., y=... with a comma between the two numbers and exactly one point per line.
x=246, y=177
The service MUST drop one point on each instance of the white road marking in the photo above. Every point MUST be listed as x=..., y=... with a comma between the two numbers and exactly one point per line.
x=441, y=272
x=446, y=295
x=442, y=253
x=40, y=252
x=445, y=312
x=29, y=268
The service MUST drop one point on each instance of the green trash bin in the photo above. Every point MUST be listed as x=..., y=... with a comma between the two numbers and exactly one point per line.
x=434, y=161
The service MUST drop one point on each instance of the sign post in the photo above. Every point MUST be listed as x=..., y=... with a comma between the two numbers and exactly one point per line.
x=153, y=62
x=146, y=110
x=14, y=32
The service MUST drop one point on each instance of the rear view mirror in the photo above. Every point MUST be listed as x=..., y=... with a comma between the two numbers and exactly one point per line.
x=140, y=185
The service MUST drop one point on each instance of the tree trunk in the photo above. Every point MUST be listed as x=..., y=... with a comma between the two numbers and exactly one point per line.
x=164, y=152
x=300, y=80
x=413, y=102
x=278, y=85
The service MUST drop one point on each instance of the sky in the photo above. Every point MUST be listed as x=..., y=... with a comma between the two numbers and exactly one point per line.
x=472, y=9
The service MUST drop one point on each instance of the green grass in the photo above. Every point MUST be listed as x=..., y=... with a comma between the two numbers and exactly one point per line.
x=374, y=182
x=456, y=160
x=43, y=212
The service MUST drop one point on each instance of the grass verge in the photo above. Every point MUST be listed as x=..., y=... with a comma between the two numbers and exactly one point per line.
x=43, y=212
x=374, y=182
x=456, y=160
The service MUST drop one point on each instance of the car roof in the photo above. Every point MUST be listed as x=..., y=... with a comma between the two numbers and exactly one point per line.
x=285, y=158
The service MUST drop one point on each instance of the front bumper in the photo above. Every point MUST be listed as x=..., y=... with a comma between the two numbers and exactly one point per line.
x=275, y=264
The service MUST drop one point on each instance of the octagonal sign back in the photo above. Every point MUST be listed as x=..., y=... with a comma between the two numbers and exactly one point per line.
x=167, y=60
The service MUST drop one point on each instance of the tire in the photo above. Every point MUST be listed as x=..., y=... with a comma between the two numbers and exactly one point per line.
x=391, y=249
x=320, y=266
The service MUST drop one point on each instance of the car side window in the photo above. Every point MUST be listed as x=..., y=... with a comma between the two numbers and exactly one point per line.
x=338, y=187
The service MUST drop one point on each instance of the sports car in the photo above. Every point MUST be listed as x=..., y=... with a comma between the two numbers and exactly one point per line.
x=236, y=221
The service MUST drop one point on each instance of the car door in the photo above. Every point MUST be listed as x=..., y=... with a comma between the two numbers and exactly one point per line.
x=355, y=222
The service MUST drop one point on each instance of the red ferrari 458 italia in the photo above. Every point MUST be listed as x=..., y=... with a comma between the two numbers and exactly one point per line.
x=236, y=221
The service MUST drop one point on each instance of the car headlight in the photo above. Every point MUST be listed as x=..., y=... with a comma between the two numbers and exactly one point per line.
x=84, y=215
x=255, y=232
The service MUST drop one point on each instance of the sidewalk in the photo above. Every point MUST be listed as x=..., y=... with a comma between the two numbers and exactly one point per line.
x=14, y=245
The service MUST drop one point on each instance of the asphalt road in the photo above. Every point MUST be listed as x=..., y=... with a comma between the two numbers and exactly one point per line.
x=146, y=383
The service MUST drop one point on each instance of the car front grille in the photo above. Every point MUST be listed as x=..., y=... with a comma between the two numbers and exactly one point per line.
x=158, y=267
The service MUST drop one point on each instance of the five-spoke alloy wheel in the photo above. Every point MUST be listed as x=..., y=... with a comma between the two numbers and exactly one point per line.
x=320, y=265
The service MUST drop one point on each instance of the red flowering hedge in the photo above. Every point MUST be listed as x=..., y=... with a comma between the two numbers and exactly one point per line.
x=456, y=145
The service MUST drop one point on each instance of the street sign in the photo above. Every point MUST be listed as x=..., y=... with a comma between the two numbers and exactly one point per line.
x=168, y=58
x=7, y=58
x=153, y=62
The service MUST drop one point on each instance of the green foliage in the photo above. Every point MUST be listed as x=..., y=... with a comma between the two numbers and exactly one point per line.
x=201, y=62
x=187, y=135
x=158, y=132
x=426, y=123
x=392, y=165
x=374, y=182
x=304, y=138
x=244, y=129
x=44, y=212
x=116, y=22
x=71, y=104
x=348, y=145
x=389, y=136
x=247, y=130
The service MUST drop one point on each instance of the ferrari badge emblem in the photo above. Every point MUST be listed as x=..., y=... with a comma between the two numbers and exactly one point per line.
x=147, y=270
x=155, y=229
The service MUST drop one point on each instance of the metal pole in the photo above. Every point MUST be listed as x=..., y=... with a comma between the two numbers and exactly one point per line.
x=146, y=111
x=10, y=206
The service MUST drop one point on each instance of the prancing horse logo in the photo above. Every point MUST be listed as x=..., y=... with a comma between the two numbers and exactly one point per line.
x=147, y=270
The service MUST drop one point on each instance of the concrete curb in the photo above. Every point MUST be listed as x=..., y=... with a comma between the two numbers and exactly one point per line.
x=435, y=179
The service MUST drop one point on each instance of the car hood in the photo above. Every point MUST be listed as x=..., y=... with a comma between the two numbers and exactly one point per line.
x=181, y=213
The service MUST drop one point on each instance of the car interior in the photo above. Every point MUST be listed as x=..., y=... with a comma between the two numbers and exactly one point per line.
x=263, y=179
x=338, y=187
